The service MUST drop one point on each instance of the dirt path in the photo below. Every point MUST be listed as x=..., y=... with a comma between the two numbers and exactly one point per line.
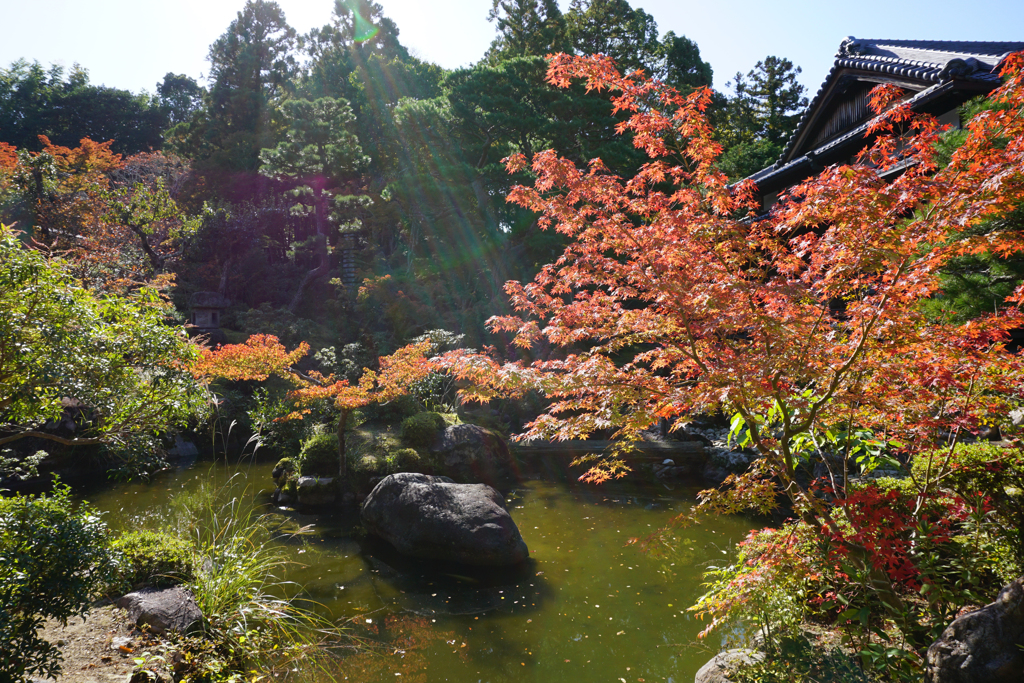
x=96, y=649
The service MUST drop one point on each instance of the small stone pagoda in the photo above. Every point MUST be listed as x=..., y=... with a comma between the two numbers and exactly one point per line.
x=207, y=309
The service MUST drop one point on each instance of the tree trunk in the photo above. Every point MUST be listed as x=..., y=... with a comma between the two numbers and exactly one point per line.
x=321, y=247
x=342, y=465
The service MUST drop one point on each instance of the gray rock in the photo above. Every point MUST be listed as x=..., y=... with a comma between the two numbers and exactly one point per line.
x=183, y=448
x=667, y=469
x=435, y=518
x=164, y=609
x=1017, y=417
x=315, y=491
x=473, y=454
x=280, y=497
x=983, y=646
x=725, y=664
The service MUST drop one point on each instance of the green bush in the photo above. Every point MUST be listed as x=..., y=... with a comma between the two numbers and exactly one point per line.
x=54, y=558
x=420, y=430
x=319, y=456
x=990, y=479
x=153, y=558
x=404, y=460
x=393, y=412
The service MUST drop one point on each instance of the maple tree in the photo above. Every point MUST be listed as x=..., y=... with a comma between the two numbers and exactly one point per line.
x=675, y=299
x=115, y=218
x=263, y=355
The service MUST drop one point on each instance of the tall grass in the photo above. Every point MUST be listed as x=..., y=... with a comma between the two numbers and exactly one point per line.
x=257, y=623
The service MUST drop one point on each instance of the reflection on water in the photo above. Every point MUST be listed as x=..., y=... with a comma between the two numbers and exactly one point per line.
x=585, y=605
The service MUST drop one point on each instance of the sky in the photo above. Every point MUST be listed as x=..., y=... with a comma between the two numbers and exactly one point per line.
x=131, y=44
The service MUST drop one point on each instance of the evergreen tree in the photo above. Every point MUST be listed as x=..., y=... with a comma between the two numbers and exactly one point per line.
x=758, y=120
x=681, y=66
x=614, y=28
x=526, y=28
x=65, y=107
x=320, y=153
x=180, y=97
x=251, y=65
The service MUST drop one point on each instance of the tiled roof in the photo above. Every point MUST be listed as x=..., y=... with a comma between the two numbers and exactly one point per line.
x=927, y=61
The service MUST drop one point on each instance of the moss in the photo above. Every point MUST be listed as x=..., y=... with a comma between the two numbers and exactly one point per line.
x=421, y=429
x=404, y=460
x=153, y=558
x=284, y=471
x=375, y=452
x=319, y=456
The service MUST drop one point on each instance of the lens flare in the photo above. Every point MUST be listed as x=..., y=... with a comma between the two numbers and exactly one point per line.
x=363, y=29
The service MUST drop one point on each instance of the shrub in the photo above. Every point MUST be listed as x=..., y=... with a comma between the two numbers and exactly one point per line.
x=153, y=558
x=54, y=558
x=990, y=480
x=421, y=430
x=319, y=456
x=395, y=411
x=404, y=460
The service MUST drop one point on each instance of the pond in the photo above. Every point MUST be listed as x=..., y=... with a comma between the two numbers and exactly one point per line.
x=586, y=605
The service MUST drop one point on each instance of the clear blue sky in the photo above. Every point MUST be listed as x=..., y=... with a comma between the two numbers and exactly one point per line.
x=132, y=43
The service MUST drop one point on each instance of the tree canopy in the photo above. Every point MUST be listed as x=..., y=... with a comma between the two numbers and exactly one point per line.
x=64, y=346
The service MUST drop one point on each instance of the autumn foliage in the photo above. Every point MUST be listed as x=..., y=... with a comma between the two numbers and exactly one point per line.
x=677, y=297
x=263, y=355
x=113, y=217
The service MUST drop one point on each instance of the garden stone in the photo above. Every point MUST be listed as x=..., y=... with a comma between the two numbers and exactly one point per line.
x=667, y=469
x=473, y=454
x=725, y=664
x=315, y=491
x=280, y=497
x=983, y=646
x=162, y=609
x=435, y=518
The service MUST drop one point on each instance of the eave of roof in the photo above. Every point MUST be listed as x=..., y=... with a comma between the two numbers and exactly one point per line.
x=939, y=66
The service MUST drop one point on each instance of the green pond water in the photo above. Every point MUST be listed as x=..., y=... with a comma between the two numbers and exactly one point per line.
x=587, y=606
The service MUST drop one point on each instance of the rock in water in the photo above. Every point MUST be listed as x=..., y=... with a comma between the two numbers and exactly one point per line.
x=166, y=609
x=723, y=666
x=472, y=454
x=984, y=646
x=435, y=518
x=316, y=491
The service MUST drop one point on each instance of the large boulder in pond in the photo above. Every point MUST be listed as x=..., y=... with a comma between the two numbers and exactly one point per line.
x=162, y=610
x=473, y=454
x=437, y=519
x=984, y=646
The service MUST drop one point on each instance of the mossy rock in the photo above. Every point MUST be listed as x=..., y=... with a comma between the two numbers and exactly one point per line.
x=284, y=470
